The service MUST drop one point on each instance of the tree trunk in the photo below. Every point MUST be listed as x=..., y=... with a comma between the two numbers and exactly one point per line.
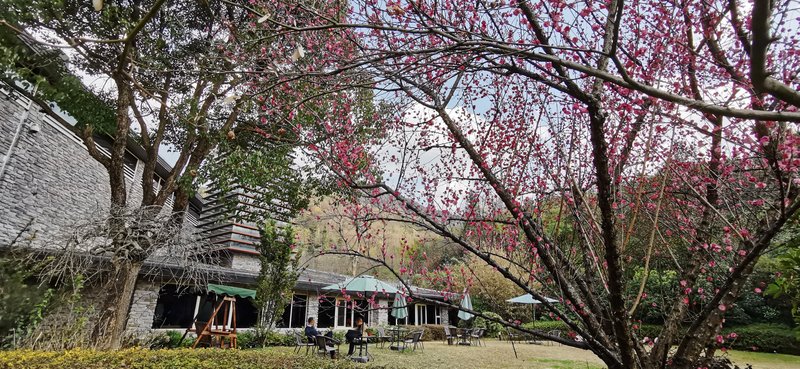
x=118, y=304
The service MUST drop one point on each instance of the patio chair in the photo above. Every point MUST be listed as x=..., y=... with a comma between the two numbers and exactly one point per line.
x=421, y=342
x=301, y=341
x=381, y=336
x=554, y=333
x=511, y=336
x=477, y=335
x=529, y=338
x=324, y=349
x=411, y=339
x=449, y=337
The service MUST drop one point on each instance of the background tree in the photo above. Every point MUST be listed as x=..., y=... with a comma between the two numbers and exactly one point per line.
x=671, y=117
x=279, y=272
x=167, y=83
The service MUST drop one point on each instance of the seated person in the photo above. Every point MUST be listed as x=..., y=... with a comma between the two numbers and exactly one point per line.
x=311, y=329
x=354, y=333
x=312, y=332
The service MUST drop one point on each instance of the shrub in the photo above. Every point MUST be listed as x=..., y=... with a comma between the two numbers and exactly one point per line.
x=547, y=326
x=762, y=337
x=755, y=337
x=257, y=338
x=149, y=340
x=492, y=328
x=175, y=340
x=433, y=332
x=162, y=359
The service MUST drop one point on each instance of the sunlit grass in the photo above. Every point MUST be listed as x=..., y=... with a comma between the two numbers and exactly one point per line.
x=499, y=354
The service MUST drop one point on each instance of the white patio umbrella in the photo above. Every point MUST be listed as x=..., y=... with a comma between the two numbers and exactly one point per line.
x=529, y=299
x=466, y=303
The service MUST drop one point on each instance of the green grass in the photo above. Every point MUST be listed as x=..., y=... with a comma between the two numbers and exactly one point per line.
x=499, y=354
x=765, y=360
x=436, y=355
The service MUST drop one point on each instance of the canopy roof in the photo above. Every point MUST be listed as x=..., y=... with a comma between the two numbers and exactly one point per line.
x=364, y=283
x=231, y=291
x=528, y=299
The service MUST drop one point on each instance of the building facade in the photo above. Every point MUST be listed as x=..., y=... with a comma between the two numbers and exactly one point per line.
x=51, y=183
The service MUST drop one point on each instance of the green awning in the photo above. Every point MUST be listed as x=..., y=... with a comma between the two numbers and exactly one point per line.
x=231, y=291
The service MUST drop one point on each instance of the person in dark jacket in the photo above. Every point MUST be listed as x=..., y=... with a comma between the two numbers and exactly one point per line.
x=312, y=333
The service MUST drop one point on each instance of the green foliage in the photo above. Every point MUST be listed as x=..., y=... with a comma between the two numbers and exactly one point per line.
x=278, y=273
x=23, y=302
x=256, y=338
x=166, y=359
x=763, y=337
x=754, y=337
x=788, y=281
x=433, y=332
x=175, y=340
x=492, y=328
x=547, y=326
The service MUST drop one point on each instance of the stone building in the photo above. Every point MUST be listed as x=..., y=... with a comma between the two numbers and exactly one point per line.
x=51, y=182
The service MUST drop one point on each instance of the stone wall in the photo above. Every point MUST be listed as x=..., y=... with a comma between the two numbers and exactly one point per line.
x=312, y=306
x=143, y=307
x=444, y=316
x=383, y=312
x=50, y=178
x=245, y=262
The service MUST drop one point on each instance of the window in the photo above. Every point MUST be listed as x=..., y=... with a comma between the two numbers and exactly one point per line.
x=294, y=314
x=327, y=313
x=422, y=314
x=175, y=307
x=433, y=314
x=348, y=311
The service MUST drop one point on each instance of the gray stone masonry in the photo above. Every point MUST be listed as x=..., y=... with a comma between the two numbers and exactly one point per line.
x=383, y=312
x=445, y=319
x=246, y=262
x=143, y=307
x=312, y=306
x=50, y=178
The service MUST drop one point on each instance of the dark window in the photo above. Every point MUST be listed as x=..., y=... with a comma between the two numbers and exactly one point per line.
x=452, y=317
x=246, y=313
x=298, y=311
x=431, y=313
x=294, y=314
x=174, y=307
x=327, y=309
x=362, y=310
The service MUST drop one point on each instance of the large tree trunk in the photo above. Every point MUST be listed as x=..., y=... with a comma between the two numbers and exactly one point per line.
x=117, y=304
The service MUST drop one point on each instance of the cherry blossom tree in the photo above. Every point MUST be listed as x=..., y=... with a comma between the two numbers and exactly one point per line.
x=591, y=141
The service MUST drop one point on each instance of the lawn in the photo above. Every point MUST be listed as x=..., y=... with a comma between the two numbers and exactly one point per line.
x=496, y=354
x=499, y=354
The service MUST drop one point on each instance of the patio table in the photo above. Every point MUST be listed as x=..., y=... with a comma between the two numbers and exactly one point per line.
x=397, y=334
x=463, y=336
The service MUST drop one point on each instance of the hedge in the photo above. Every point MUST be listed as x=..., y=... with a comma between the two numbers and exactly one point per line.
x=763, y=337
x=775, y=338
x=165, y=359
